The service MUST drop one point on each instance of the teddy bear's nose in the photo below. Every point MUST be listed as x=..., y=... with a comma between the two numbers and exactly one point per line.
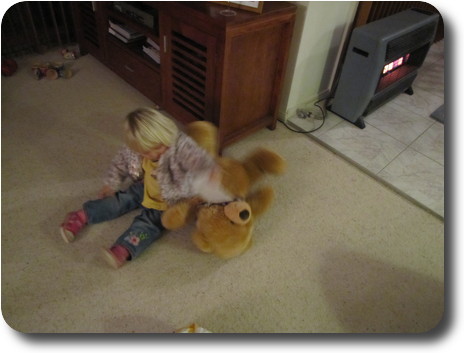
x=244, y=215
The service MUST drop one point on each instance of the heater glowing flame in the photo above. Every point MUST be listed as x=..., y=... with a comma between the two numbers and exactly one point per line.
x=395, y=64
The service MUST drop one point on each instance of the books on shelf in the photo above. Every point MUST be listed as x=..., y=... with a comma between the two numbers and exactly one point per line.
x=123, y=32
x=152, y=50
x=152, y=43
x=128, y=35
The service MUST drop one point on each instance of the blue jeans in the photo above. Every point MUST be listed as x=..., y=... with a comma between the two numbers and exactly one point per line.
x=144, y=230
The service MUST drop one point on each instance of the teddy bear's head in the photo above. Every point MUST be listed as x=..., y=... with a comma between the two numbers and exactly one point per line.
x=225, y=230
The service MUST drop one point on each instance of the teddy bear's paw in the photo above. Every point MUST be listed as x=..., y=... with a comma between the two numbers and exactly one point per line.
x=260, y=200
x=200, y=242
x=204, y=134
x=269, y=161
x=263, y=161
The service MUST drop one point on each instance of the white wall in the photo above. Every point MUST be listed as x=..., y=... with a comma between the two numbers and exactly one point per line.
x=320, y=31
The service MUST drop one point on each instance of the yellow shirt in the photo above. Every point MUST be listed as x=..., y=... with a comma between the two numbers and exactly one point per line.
x=151, y=190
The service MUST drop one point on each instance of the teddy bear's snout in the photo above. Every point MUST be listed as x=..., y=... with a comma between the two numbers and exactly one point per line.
x=239, y=212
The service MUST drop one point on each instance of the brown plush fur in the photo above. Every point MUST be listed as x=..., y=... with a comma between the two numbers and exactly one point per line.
x=205, y=134
x=226, y=230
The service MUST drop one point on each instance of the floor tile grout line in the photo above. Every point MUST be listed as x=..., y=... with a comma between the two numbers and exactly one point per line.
x=376, y=177
x=424, y=155
x=396, y=138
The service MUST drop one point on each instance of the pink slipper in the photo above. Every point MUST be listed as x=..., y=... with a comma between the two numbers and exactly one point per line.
x=116, y=256
x=72, y=224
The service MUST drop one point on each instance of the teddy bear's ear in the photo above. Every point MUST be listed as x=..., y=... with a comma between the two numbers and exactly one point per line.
x=260, y=200
x=205, y=135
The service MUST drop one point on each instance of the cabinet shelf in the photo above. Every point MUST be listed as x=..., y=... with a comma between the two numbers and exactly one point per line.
x=135, y=48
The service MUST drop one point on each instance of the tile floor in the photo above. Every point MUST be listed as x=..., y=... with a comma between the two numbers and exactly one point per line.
x=401, y=144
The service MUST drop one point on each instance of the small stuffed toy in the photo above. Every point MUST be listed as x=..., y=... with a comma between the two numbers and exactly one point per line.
x=193, y=328
x=225, y=228
x=51, y=71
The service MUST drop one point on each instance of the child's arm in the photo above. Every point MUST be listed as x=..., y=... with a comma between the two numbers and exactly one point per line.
x=125, y=164
x=186, y=170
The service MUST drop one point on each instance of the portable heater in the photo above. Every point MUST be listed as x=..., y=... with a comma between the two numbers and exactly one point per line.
x=382, y=61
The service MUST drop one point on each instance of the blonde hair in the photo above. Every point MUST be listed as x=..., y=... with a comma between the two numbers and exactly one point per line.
x=146, y=128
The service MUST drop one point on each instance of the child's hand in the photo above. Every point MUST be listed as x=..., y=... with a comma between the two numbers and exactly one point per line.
x=215, y=175
x=105, y=192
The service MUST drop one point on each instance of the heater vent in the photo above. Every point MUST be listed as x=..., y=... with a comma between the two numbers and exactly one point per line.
x=360, y=52
x=414, y=39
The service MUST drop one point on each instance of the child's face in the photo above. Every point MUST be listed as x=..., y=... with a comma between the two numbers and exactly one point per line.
x=155, y=153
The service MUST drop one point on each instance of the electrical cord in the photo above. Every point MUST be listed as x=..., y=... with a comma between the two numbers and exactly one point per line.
x=323, y=119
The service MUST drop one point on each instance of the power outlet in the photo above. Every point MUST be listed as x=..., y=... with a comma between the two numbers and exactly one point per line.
x=313, y=112
x=302, y=124
x=303, y=113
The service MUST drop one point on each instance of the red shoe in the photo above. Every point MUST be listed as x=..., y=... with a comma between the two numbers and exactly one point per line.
x=72, y=224
x=116, y=256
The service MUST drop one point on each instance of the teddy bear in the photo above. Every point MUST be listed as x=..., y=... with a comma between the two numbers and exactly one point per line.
x=225, y=229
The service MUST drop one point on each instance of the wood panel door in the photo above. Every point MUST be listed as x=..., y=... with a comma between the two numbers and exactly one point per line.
x=252, y=78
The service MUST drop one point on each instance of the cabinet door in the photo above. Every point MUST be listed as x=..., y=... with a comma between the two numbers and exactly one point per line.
x=188, y=69
x=88, y=17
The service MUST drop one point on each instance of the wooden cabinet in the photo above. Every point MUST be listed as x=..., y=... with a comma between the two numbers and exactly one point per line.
x=227, y=70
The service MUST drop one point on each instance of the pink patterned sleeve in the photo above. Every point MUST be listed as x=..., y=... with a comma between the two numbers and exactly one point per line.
x=125, y=164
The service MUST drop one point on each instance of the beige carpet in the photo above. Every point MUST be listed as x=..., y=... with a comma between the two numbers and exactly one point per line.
x=338, y=252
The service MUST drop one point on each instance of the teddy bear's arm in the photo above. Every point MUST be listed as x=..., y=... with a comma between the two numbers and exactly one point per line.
x=178, y=215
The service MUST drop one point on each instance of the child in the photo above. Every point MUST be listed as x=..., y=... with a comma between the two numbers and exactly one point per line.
x=165, y=165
